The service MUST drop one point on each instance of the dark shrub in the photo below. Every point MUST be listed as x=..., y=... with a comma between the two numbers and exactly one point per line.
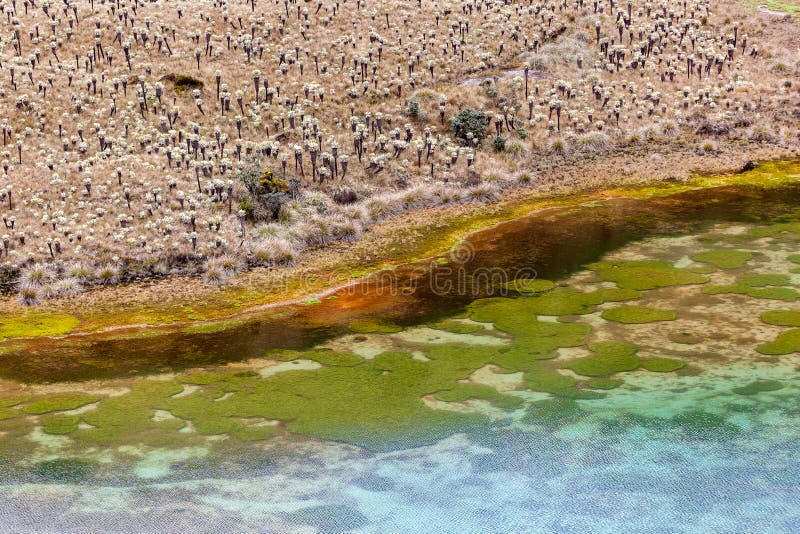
x=469, y=121
x=345, y=195
x=499, y=144
x=267, y=191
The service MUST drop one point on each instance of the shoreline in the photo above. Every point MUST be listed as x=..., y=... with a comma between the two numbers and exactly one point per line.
x=174, y=303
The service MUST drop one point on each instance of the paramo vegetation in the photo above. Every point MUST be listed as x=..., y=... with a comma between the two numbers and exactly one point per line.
x=209, y=136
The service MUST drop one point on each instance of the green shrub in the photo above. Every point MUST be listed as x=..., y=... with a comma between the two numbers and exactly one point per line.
x=469, y=123
x=499, y=144
x=267, y=190
x=413, y=110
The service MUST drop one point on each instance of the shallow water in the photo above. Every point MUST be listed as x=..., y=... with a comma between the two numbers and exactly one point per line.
x=652, y=387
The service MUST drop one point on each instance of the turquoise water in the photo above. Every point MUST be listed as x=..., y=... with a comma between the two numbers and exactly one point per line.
x=601, y=471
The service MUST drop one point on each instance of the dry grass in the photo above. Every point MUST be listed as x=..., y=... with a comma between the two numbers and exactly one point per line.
x=125, y=122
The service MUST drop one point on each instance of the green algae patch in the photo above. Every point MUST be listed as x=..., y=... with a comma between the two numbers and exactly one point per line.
x=530, y=285
x=329, y=518
x=762, y=280
x=786, y=343
x=8, y=413
x=724, y=258
x=548, y=380
x=464, y=392
x=701, y=269
x=638, y=315
x=784, y=231
x=535, y=340
x=782, y=317
x=561, y=301
x=770, y=293
x=59, y=402
x=739, y=289
x=759, y=386
x=794, y=258
x=458, y=327
x=127, y=418
x=663, y=365
x=254, y=433
x=555, y=412
x=63, y=470
x=603, y=383
x=36, y=324
x=609, y=357
x=774, y=293
x=645, y=274
x=60, y=424
x=376, y=405
x=201, y=378
x=13, y=400
x=370, y=326
x=700, y=425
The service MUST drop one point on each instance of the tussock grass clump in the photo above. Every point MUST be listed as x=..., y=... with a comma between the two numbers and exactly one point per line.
x=107, y=274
